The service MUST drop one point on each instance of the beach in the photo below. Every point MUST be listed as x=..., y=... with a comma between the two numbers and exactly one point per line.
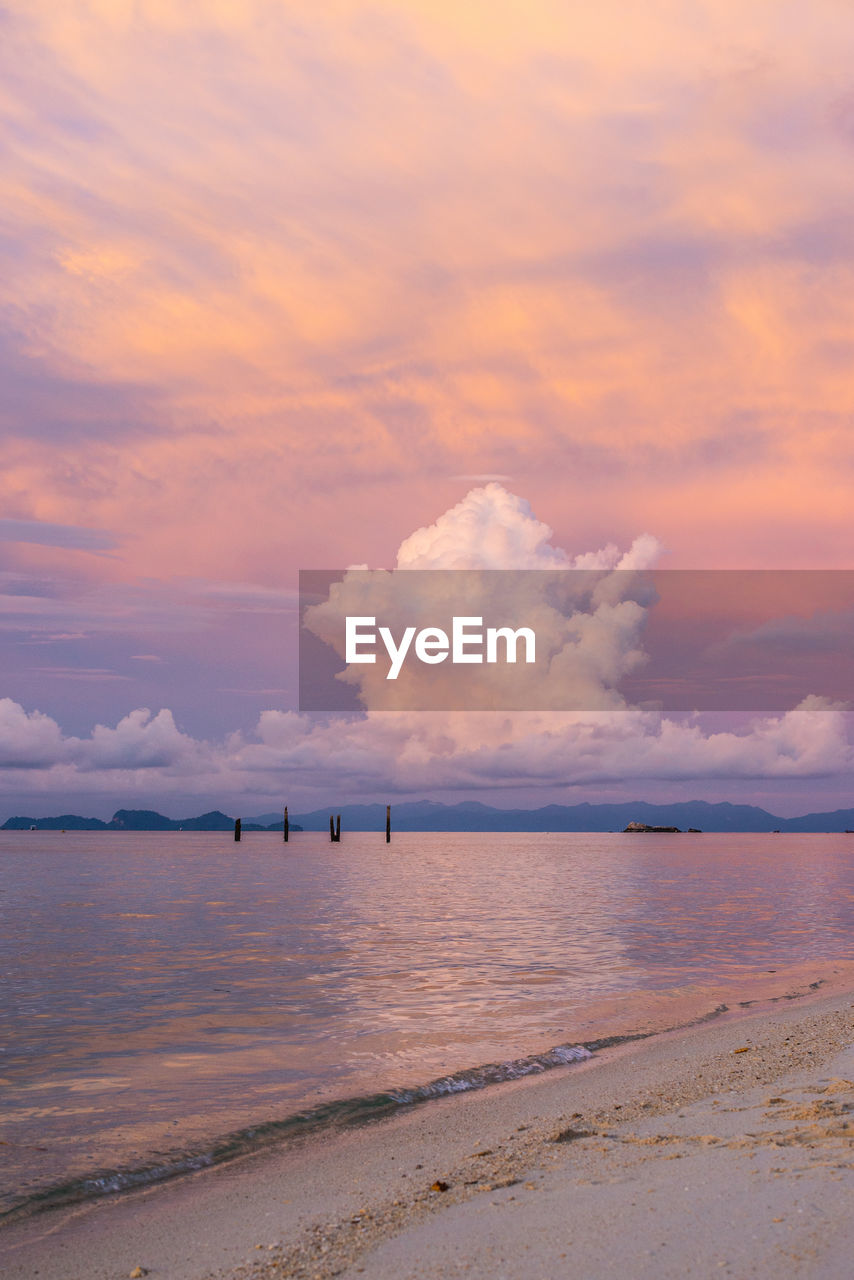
x=426, y=641
x=169, y=1005
x=719, y=1147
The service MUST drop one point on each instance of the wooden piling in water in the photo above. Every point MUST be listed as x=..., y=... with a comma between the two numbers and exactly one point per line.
x=237, y=826
x=338, y=827
x=286, y=828
x=331, y=828
x=388, y=824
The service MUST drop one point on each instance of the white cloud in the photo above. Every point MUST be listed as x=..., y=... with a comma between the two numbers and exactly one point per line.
x=390, y=753
x=494, y=529
x=139, y=741
x=28, y=740
x=484, y=750
x=588, y=624
x=401, y=753
x=489, y=529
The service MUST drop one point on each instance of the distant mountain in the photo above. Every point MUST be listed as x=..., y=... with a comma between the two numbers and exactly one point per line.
x=141, y=820
x=65, y=822
x=138, y=820
x=469, y=815
x=838, y=820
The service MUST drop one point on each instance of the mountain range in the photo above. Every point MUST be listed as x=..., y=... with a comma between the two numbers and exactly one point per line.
x=142, y=820
x=471, y=815
x=468, y=815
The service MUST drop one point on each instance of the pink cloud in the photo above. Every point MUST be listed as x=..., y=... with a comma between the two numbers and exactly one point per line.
x=405, y=753
x=300, y=271
x=611, y=266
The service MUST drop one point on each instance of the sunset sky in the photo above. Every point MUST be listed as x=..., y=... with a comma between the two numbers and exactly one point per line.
x=283, y=284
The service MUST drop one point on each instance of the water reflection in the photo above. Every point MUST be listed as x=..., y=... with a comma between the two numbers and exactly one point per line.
x=160, y=982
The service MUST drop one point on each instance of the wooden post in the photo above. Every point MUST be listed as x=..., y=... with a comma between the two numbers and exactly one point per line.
x=286, y=827
x=388, y=824
x=331, y=828
x=237, y=825
x=338, y=828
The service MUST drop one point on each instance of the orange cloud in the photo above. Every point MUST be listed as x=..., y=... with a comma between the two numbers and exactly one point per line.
x=296, y=268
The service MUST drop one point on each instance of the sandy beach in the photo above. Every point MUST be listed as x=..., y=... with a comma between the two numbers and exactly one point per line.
x=724, y=1147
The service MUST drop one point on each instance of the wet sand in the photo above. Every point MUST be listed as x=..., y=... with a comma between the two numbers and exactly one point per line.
x=723, y=1148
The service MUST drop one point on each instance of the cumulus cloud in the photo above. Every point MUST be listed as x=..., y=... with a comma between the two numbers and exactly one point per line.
x=396, y=753
x=461, y=751
x=399, y=754
x=33, y=740
x=490, y=558
x=28, y=740
x=489, y=529
x=139, y=741
x=492, y=528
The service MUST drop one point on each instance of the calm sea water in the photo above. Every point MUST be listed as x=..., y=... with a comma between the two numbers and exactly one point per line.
x=159, y=990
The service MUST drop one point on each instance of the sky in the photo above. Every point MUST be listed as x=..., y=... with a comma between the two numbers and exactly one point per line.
x=292, y=286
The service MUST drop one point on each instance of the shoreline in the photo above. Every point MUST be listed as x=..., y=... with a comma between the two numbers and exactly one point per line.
x=193, y=1016
x=630, y=1018
x=354, y=1197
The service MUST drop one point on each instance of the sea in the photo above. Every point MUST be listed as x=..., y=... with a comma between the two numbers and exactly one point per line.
x=170, y=1000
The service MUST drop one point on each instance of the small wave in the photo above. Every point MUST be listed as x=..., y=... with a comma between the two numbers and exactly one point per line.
x=493, y=1073
x=344, y=1112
